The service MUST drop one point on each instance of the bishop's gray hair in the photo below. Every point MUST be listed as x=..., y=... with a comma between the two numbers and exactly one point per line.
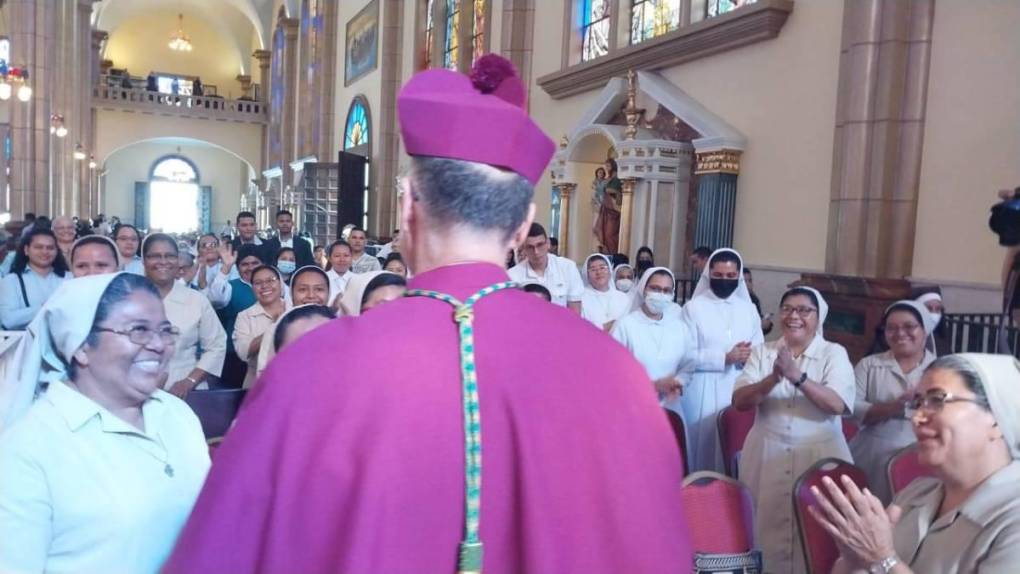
x=456, y=192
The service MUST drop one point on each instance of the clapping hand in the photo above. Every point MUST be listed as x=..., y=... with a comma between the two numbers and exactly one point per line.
x=855, y=519
x=786, y=366
x=739, y=354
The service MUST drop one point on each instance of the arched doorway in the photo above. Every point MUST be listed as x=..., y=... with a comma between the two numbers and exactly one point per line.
x=176, y=202
x=357, y=140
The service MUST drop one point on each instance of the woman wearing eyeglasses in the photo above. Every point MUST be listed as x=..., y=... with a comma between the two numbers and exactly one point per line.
x=202, y=345
x=966, y=416
x=800, y=385
x=885, y=382
x=99, y=468
x=253, y=323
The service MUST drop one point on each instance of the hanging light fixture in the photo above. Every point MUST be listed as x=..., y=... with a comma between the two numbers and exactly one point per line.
x=57, y=127
x=79, y=152
x=92, y=162
x=180, y=41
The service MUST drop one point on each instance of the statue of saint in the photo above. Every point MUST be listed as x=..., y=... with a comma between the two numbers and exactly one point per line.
x=607, y=222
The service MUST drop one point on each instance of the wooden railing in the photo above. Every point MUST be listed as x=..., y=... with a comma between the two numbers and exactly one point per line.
x=684, y=290
x=978, y=333
x=199, y=107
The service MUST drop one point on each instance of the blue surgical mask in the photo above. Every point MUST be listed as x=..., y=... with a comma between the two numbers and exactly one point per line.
x=286, y=267
x=657, y=303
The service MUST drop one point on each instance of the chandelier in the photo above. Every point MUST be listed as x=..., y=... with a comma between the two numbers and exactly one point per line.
x=180, y=41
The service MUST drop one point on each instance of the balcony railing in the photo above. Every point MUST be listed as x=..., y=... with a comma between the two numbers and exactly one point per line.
x=979, y=333
x=179, y=105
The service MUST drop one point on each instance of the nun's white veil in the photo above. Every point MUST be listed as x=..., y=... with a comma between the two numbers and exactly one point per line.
x=704, y=287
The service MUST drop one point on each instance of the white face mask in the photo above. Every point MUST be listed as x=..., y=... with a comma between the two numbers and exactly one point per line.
x=657, y=303
x=936, y=316
x=624, y=284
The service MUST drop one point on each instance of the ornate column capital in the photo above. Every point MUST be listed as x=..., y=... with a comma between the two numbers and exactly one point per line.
x=628, y=185
x=718, y=161
x=290, y=27
x=98, y=37
x=262, y=56
x=566, y=189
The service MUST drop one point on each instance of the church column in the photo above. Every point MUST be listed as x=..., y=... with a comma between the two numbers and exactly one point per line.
x=32, y=28
x=386, y=168
x=290, y=103
x=99, y=38
x=716, y=173
x=880, y=115
x=563, y=233
x=626, y=214
x=263, y=57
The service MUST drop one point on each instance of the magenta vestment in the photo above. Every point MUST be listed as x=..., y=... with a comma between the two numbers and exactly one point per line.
x=349, y=455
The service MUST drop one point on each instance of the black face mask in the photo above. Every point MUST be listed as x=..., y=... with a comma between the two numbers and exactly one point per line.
x=723, y=288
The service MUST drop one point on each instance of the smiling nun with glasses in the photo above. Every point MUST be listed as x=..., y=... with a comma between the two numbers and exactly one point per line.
x=800, y=385
x=966, y=518
x=885, y=382
x=99, y=468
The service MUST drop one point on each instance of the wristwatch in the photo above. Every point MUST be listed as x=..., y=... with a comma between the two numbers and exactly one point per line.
x=885, y=566
x=800, y=381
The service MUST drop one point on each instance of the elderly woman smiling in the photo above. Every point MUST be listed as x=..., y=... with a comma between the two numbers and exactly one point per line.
x=800, y=385
x=966, y=415
x=99, y=468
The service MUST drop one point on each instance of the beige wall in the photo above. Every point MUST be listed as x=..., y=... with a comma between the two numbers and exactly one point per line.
x=781, y=94
x=972, y=139
x=139, y=44
x=217, y=168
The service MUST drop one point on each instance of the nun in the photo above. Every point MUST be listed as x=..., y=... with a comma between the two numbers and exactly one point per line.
x=371, y=289
x=966, y=517
x=885, y=383
x=309, y=286
x=726, y=325
x=800, y=385
x=656, y=337
x=601, y=303
x=99, y=468
x=937, y=339
x=623, y=277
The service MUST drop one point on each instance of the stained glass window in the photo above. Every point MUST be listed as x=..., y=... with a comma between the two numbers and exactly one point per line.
x=651, y=18
x=357, y=131
x=718, y=7
x=450, y=43
x=430, y=31
x=594, y=29
x=478, y=31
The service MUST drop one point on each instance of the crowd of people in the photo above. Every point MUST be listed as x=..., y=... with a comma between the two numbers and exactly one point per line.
x=359, y=446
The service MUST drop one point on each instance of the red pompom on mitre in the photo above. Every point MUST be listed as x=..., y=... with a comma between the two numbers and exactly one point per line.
x=490, y=71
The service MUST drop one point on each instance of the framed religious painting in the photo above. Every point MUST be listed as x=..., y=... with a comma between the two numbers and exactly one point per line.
x=361, y=55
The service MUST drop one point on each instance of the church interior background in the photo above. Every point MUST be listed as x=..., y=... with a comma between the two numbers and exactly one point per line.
x=821, y=138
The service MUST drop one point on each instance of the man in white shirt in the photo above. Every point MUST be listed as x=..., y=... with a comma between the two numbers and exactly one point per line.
x=363, y=262
x=558, y=274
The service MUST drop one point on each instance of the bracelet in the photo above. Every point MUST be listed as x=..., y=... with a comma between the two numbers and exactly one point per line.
x=192, y=380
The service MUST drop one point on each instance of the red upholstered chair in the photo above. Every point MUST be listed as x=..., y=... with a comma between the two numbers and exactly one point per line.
x=680, y=433
x=904, y=468
x=720, y=512
x=820, y=552
x=733, y=426
x=850, y=428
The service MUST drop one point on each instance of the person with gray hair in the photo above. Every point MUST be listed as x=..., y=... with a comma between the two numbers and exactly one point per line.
x=320, y=455
x=966, y=517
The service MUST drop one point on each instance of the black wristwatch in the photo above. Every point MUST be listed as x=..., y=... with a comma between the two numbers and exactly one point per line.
x=800, y=381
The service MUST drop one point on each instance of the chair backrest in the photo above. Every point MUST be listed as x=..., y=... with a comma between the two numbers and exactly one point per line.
x=677, y=424
x=820, y=552
x=733, y=427
x=216, y=409
x=720, y=511
x=904, y=467
x=850, y=428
